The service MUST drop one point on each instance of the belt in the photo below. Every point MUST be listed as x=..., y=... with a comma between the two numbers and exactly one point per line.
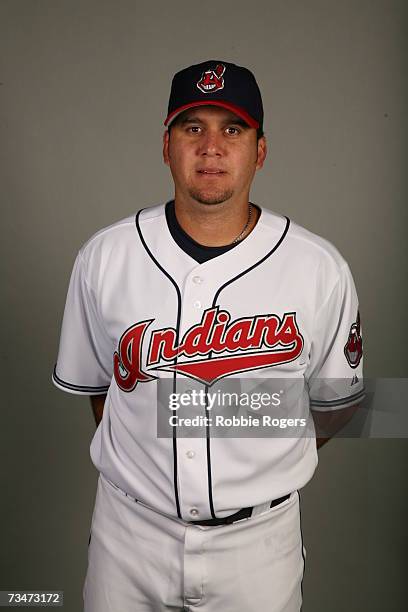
x=238, y=516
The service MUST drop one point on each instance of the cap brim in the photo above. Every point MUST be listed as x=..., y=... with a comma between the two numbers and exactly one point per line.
x=232, y=107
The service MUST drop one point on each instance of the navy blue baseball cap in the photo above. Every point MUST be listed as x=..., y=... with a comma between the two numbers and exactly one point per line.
x=217, y=83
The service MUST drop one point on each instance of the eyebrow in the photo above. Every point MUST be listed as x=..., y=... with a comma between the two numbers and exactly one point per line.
x=235, y=121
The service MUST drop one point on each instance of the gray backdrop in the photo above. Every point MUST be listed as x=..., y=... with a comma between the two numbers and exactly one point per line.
x=84, y=89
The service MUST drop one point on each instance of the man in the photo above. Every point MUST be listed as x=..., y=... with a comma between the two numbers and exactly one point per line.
x=208, y=288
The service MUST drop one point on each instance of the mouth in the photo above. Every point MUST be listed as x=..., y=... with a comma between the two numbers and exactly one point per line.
x=211, y=171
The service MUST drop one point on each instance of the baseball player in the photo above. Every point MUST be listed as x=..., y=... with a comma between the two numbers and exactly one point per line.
x=206, y=288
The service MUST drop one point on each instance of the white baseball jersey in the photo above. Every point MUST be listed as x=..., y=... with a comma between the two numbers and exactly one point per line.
x=281, y=304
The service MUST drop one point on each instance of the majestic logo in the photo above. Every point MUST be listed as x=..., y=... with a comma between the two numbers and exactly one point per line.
x=353, y=349
x=251, y=343
x=212, y=80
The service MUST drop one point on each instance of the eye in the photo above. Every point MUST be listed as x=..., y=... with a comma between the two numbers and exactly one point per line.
x=194, y=129
x=232, y=130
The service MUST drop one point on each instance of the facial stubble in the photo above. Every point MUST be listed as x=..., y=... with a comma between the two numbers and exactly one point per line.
x=199, y=195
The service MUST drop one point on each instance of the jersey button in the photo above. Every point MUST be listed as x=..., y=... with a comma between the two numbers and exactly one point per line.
x=190, y=454
x=197, y=304
x=197, y=280
x=194, y=512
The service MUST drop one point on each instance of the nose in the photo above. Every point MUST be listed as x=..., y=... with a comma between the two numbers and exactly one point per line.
x=211, y=144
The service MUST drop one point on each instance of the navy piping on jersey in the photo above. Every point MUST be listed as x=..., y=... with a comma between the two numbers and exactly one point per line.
x=183, y=245
x=176, y=493
x=303, y=554
x=81, y=388
x=339, y=402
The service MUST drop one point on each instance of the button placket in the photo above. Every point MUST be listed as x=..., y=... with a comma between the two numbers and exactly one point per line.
x=197, y=297
x=192, y=468
x=192, y=457
x=197, y=280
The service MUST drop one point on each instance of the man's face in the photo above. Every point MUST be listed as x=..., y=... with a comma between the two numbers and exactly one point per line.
x=213, y=154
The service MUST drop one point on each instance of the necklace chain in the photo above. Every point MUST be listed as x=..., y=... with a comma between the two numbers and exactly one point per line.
x=241, y=235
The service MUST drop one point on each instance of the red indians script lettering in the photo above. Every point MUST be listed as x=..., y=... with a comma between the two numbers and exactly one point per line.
x=251, y=343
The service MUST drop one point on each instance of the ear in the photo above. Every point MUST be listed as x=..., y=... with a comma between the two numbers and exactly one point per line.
x=166, y=140
x=262, y=152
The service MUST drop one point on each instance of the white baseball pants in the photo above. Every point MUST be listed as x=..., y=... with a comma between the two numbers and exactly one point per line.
x=140, y=560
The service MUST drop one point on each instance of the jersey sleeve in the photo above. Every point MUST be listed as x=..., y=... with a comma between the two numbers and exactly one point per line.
x=335, y=369
x=84, y=363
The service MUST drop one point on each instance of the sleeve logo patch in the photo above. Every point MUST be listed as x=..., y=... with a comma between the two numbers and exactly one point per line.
x=353, y=349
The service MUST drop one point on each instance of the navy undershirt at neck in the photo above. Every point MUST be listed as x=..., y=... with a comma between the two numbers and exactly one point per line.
x=197, y=251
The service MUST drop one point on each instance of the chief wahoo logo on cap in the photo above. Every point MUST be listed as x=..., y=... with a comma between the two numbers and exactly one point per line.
x=212, y=80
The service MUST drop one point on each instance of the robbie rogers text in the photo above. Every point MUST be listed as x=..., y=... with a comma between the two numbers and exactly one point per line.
x=235, y=421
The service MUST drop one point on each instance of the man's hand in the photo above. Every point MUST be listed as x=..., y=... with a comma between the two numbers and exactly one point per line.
x=329, y=422
x=97, y=403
